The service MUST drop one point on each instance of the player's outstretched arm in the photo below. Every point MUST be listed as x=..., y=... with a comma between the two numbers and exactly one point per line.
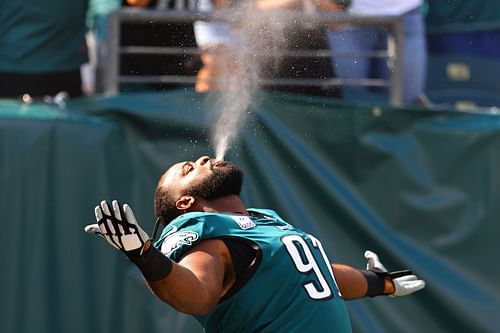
x=375, y=280
x=353, y=283
x=193, y=286
x=196, y=284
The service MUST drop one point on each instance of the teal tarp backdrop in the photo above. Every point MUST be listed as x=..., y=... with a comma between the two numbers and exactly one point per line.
x=420, y=188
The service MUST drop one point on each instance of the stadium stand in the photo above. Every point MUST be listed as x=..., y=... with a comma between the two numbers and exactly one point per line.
x=305, y=64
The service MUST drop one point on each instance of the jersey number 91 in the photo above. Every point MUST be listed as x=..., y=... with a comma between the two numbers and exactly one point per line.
x=305, y=262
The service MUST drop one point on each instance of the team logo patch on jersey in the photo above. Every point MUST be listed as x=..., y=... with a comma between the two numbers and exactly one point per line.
x=245, y=222
x=177, y=239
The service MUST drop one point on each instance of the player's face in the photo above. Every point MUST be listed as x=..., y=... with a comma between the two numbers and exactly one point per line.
x=205, y=177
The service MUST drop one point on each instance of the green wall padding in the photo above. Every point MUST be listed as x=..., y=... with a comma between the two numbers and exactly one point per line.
x=421, y=188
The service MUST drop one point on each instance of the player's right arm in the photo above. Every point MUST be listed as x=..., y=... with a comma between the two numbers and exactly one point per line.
x=198, y=281
x=193, y=286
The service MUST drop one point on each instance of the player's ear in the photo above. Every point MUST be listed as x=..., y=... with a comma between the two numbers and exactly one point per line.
x=185, y=202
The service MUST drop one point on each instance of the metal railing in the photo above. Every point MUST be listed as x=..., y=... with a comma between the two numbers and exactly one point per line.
x=112, y=78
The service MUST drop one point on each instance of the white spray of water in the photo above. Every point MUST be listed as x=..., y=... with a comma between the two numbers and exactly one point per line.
x=258, y=35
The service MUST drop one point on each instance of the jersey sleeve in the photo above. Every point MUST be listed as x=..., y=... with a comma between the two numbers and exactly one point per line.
x=183, y=234
x=178, y=238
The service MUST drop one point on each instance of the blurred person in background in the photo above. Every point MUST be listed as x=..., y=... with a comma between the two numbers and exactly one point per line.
x=93, y=71
x=154, y=33
x=42, y=46
x=216, y=39
x=355, y=40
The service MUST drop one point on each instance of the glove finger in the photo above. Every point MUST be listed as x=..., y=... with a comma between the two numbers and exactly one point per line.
x=117, y=231
x=95, y=229
x=92, y=229
x=373, y=258
x=125, y=226
x=420, y=284
x=111, y=233
x=112, y=241
x=117, y=210
x=407, y=285
x=105, y=226
x=373, y=263
x=105, y=208
x=408, y=288
x=98, y=213
x=414, y=285
x=115, y=224
x=123, y=230
x=131, y=219
x=370, y=254
x=407, y=278
x=129, y=215
x=110, y=229
x=102, y=229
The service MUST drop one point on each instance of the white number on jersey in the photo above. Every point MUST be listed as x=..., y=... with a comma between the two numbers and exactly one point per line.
x=305, y=262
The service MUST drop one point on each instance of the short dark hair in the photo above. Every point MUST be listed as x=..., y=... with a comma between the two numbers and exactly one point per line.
x=165, y=204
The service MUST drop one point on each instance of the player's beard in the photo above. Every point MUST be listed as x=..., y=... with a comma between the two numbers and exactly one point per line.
x=224, y=181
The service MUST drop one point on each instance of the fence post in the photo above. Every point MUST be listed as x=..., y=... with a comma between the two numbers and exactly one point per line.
x=113, y=53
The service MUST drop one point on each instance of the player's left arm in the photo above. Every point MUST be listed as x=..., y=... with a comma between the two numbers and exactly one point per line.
x=353, y=284
x=375, y=280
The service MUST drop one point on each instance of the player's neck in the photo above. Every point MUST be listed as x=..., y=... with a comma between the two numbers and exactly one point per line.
x=231, y=203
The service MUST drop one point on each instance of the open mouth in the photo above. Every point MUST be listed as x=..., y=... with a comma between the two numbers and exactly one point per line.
x=219, y=163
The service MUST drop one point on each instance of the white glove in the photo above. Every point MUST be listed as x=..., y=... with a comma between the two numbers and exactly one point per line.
x=405, y=283
x=373, y=264
x=119, y=227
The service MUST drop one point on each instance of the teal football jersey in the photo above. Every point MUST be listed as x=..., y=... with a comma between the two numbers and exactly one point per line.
x=293, y=288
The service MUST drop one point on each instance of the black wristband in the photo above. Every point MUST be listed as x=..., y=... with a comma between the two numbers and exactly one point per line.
x=375, y=282
x=153, y=264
